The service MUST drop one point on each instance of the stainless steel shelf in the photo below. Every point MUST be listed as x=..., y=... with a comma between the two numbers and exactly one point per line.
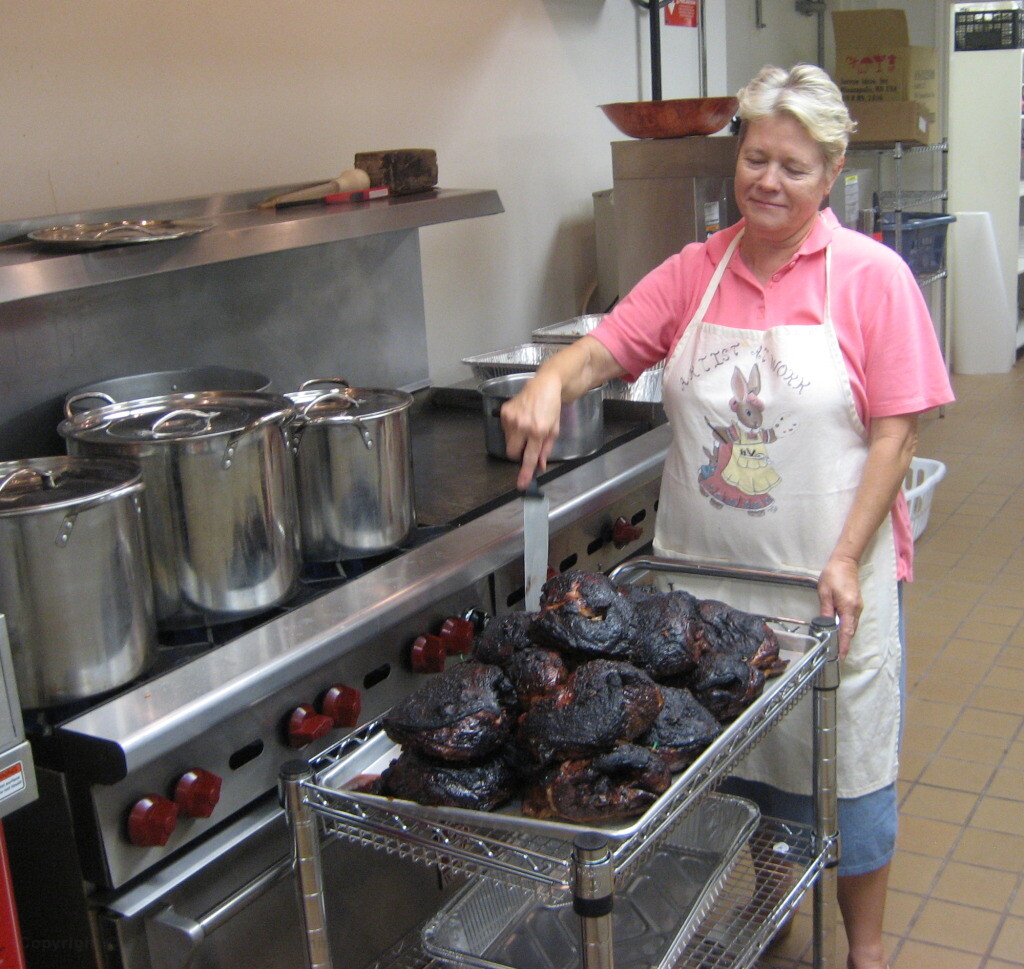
x=240, y=230
x=748, y=911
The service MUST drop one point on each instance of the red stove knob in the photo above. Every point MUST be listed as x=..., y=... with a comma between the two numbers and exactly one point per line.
x=457, y=635
x=197, y=793
x=342, y=704
x=306, y=725
x=624, y=532
x=427, y=654
x=151, y=821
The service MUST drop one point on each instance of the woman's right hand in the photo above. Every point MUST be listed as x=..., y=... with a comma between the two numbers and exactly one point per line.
x=530, y=419
x=531, y=423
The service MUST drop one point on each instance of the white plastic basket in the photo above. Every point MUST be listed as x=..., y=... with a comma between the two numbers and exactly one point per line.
x=918, y=488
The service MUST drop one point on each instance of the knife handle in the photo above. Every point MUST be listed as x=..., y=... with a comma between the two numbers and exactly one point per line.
x=532, y=490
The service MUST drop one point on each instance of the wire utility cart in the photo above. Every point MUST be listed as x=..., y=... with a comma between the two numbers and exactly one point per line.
x=578, y=870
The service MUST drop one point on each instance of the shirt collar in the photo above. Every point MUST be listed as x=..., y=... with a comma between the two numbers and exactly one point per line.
x=817, y=239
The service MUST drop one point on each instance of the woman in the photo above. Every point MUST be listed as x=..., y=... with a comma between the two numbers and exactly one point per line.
x=798, y=355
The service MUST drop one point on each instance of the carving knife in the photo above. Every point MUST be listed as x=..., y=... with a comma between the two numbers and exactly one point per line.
x=535, y=544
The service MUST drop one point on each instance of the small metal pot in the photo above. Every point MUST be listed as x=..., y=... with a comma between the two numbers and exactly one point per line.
x=221, y=513
x=580, y=427
x=353, y=459
x=74, y=577
x=192, y=380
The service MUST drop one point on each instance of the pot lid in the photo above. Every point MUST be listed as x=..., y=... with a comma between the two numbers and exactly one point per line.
x=177, y=417
x=340, y=404
x=44, y=483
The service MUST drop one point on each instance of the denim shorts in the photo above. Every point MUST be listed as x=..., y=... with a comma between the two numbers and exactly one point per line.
x=867, y=824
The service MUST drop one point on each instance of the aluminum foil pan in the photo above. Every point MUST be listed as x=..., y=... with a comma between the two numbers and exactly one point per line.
x=497, y=926
x=568, y=330
x=520, y=359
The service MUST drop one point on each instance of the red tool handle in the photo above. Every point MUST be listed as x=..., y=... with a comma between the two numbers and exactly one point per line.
x=12, y=954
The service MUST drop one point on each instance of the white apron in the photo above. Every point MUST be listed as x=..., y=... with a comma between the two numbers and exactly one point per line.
x=775, y=496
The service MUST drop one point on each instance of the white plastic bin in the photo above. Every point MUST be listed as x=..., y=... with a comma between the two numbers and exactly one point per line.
x=919, y=487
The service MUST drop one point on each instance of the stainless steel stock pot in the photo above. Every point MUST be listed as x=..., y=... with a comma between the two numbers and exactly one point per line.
x=117, y=390
x=353, y=459
x=74, y=577
x=580, y=425
x=220, y=508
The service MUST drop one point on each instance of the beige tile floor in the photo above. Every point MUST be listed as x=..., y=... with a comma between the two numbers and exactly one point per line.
x=956, y=896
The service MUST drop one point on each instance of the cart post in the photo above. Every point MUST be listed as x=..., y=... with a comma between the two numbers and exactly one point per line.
x=302, y=823
x=593, y=897
x=826, y=809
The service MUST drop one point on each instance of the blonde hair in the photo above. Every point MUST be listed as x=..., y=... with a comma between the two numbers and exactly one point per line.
x=806, y=93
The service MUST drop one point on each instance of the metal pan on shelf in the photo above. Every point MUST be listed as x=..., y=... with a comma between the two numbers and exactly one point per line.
x=99, y=235
x=493, y=926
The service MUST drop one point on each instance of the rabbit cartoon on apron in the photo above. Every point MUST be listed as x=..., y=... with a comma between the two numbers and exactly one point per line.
x=767, y=453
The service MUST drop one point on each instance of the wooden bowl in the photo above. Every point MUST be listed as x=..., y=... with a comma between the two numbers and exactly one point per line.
x=671, y=119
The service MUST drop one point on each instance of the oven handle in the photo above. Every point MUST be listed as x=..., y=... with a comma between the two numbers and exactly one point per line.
x=174, y=938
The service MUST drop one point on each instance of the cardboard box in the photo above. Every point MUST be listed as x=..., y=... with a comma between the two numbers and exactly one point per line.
x=882, y=122
x=875, y=62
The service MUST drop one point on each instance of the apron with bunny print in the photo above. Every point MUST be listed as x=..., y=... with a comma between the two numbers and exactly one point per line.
x=766, y=455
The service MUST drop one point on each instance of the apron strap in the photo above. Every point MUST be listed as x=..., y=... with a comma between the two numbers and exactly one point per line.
x=709, y=293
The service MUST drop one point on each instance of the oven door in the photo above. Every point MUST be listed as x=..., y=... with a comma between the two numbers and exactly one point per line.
x=231, y=903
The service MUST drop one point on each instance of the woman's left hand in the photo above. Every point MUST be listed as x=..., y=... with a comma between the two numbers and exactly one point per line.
x=892, y=443
x=839, y=595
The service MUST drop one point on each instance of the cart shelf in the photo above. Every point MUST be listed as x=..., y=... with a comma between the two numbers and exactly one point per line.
x=551, y=858
x=745, y=915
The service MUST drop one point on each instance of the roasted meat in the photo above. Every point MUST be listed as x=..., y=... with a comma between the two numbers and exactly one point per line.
x=602, y=703
x=681, y=731
x=668, y=640
x=726, y=684
x=532, y=670
x=619, y=784
x=480, y=786
x=740, y=633
x=465, y=713
x=502, y=637
x=582, y=613
x=536, y=672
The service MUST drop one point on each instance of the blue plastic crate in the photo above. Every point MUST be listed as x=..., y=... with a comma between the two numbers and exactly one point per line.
x=923, y=242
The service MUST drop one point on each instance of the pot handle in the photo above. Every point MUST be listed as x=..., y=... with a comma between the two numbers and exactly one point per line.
x=363, y=433
x=47, y=479
x=205, y=416
x=69, y=403
x=260, y=422
x=335, y=394
x=68, y=522
x=341, y=383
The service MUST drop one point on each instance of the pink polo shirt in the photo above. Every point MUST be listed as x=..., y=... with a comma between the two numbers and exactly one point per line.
x=884, y=329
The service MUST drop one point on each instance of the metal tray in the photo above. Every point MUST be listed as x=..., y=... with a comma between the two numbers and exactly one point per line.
x=509, y=846
x=751, y=905
x=98, y=235
x=527, y=357
x=494, y=926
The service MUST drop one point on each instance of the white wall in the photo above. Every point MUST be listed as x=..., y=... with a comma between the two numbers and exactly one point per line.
x=108, y=102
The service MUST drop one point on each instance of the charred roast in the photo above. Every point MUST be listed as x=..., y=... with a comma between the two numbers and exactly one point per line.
x=583, y=709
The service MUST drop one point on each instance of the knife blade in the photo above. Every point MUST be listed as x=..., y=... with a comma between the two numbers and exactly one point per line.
x=535, y=544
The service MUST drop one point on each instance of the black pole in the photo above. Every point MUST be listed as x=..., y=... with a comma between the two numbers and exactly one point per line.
x=654, y=12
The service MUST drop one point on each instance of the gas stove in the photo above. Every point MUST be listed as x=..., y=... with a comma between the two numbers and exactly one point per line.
x=147, y=782
x=231, y=702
